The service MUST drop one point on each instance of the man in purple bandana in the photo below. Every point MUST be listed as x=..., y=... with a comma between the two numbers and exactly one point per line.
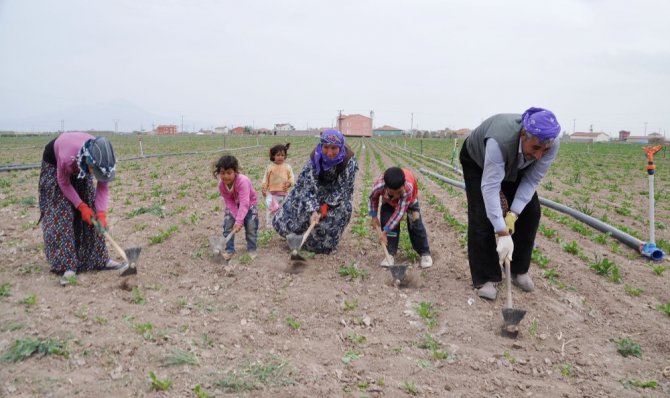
x=503, y=161
x=322, y=194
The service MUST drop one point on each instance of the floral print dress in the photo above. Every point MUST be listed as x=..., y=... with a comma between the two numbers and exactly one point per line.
x=310, y=192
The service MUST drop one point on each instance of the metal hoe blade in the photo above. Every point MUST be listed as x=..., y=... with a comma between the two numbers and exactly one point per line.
x=398, y=272
x=130, y=268
x=511, y=316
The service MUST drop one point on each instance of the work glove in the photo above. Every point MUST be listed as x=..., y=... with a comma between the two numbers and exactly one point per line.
x=505, y=248
x=323, y=210
x=86, y=213
x=510, y=219
x=102, y=221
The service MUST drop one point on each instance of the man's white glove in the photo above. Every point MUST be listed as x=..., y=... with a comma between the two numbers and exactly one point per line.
x=505, y=248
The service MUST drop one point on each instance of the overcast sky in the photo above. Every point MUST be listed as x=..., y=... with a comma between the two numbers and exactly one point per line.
x=449, y=63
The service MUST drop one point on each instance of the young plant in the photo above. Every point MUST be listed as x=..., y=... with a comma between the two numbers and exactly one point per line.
x=665, y=308
x=534, y=327
x=606, y=267
x=30, y=300
x=353, y=272
x=245, y=259
x=293, y=323
x=659, y=269
x=356, y=338
x=5, y=289
x=137, y=296
x=566, y=369
x=627, y=347
x=351, y=305
x=572, y=248
x=633, y=291
x=159, y=384
x=201, y=393
x=179, y=357
x=409, y=387
x=24, y=348
x=426, y=311
x=351, y=355
x=640, y=383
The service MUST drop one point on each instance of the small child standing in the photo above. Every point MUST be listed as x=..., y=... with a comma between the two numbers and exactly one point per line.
x=277, y=180
x=400, y=194
x=241, y=204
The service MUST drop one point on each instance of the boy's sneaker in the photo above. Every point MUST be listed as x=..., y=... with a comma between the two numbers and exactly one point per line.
x=488, y=291
x=228, y=255
x=385, y=262
x=67, y=277
x=426, y=261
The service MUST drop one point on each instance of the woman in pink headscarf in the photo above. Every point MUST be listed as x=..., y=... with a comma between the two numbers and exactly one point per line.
x=505, y=158
x=322, y=193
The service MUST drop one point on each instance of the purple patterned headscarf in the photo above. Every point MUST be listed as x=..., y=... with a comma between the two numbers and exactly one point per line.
x=541, y=123
x=320, y=161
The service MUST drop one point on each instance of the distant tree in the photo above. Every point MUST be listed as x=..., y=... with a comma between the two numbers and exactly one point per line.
x=247, y=129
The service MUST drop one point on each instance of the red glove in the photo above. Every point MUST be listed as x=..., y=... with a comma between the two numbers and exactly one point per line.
x=102, y=218
x=323, y=210
x=86, y=213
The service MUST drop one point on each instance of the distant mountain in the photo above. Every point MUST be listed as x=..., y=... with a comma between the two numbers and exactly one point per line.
x=99, y=116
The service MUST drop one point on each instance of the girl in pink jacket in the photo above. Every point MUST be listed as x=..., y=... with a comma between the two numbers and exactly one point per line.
x=241, y=204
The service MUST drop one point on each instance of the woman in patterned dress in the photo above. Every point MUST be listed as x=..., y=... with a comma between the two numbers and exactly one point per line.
x=323, y=192
x=70, y=204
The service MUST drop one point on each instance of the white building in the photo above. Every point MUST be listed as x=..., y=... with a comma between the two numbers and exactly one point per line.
x=590, y=137
x=284, y=127
x=221, y=130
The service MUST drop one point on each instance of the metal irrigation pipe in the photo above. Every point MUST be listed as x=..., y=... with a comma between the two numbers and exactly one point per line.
x=655, y=253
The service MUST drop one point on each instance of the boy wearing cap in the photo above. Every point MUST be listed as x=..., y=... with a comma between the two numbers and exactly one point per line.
x=507, y=154
x=70, y=203
x=399, y=195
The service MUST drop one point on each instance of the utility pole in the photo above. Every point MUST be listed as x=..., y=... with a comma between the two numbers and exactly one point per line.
x=62, y=125
x=411, y=125
x=116, y=126
x=573, y=125
x=182, y=123
x=339, y=119
x=645, y=129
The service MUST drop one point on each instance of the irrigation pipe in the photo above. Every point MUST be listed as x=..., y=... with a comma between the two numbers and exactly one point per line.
x=29, y=166
x=656, y=255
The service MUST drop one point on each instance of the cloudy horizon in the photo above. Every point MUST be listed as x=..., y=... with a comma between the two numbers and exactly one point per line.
x=601, y=65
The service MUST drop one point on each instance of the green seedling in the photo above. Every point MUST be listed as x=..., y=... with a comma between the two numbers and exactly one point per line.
x=159, y=384
x=163, y=235
x=30, y=300
x=24, y=348
x=534, y=327
x=409, y=387
x=356, y=338
x=353, y=272
x=659, y=269
x=665, y=308
x=572, y=248
x=273, y=371
x=641, y=384
x=179, y=357
x=293, y=323
x=145, y=330
x=5, y=289
x=509, y=357
x=265, y=236
x=201, y=393
x=351, y=355
x=245, y=259
x=351, y=305
x=602, y=238
x=137, y=296
x=566, y=370
x=82, y=312
x=101, y=320
x=606, y=267
x=633, y=291
x=628, y=347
